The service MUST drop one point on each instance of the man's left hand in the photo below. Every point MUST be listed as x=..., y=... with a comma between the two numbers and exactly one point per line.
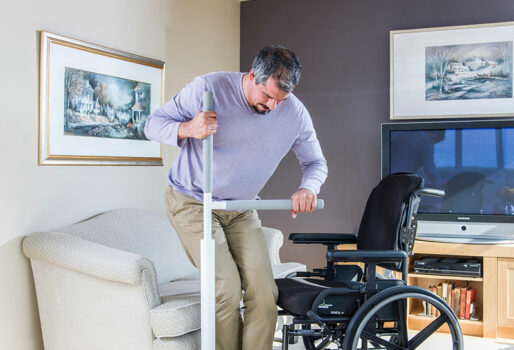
x=304, y=201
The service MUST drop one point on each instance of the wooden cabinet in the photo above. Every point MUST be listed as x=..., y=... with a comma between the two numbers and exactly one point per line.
x=469, y=327
x=506, y=298
x=495, y=289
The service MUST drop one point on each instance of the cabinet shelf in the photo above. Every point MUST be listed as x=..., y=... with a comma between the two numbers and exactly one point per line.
x=461, y=321
x=445, y=277
x=473, y=328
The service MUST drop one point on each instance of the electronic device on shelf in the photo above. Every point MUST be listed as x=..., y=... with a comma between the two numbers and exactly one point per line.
x=465, y=267
x=472, y=161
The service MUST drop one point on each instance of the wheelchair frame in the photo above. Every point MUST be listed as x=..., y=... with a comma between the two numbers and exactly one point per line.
x=375, y=315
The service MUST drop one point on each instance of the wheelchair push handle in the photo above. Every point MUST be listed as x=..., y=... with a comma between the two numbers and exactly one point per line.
x=431, y=192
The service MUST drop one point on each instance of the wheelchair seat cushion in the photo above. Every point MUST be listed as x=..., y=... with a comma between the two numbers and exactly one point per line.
x=296, y=295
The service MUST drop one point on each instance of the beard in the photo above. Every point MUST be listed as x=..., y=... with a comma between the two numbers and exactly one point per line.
x=263, y=111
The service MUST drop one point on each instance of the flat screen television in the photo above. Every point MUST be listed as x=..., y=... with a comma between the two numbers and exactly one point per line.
x=473, y=161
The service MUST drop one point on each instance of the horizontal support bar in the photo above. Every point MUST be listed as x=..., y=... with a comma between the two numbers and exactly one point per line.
x=269, y=204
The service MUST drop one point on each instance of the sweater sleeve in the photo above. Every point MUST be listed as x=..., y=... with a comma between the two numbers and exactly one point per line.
x=162, y=124
x=308, y=151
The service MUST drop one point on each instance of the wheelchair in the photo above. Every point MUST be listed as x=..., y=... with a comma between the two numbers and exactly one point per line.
x=349, y=307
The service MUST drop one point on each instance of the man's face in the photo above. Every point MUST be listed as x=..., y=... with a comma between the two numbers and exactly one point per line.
x=265, y=97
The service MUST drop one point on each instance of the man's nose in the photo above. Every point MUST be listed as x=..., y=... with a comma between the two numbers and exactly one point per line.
x=272, y=103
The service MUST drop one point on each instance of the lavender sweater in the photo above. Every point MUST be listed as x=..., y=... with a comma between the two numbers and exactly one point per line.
x=247, y=146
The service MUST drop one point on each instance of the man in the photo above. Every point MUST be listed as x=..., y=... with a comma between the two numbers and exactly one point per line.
x=256, y=121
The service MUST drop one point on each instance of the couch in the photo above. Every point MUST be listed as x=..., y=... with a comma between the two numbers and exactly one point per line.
x=121, y=280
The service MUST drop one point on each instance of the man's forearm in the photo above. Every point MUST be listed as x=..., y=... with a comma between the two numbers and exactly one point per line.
x=162, y=129
x=314, y=175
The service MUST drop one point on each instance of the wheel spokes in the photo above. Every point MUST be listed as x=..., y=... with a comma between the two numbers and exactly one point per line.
x=373, y=338
x=361, y=327
x=323, y=344
x=427, y=331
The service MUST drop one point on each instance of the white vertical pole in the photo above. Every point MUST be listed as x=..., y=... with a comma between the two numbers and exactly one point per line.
x=207, y=247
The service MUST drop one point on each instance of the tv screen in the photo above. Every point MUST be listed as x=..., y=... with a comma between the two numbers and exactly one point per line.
x=473, y=161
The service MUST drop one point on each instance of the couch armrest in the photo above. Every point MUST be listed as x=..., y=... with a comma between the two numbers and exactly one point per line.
x=94, y=259
x=274, y=240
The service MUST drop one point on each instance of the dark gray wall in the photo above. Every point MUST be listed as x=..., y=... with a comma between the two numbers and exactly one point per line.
x=344, y=49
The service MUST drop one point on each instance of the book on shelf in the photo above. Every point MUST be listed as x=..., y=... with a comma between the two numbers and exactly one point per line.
x=470, y=297
x=462, y=303
x=449, y=297
x=434, y=310
x=456, y=301
x=460, y=299
x=440, y=295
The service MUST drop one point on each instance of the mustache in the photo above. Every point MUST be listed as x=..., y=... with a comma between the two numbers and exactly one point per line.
x=258, y=111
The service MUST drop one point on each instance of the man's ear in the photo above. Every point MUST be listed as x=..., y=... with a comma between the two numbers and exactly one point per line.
x=251, y=75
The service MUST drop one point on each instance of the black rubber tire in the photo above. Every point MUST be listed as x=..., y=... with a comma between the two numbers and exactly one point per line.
x=395, y=294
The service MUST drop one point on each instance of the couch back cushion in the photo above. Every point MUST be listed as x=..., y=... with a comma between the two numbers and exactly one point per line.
x=141, y=232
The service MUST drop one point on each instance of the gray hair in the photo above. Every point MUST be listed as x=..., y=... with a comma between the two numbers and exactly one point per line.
x=279, y=63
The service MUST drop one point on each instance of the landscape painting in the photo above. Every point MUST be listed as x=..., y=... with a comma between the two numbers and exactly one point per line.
x=98, y=105
x=469, y=71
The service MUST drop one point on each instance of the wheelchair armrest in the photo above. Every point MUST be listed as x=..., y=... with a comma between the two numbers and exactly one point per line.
x=323, y=238
x=377, y=256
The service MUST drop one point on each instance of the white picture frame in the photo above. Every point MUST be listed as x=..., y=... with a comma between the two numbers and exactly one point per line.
x=94, y=102
x=473, y=77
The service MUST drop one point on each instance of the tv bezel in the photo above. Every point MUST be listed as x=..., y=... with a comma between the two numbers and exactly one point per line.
x=386, y=129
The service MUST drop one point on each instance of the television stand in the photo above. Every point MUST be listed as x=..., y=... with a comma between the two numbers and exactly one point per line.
x=493, y=290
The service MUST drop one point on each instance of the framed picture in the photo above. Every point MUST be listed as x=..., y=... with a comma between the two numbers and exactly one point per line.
x=452, y=72
x=94, y=102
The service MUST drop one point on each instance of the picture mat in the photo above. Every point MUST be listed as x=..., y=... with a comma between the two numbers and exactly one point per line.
x=62, y=56
x=408, y=73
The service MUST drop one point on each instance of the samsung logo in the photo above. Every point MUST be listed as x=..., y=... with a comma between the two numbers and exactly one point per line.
x=463, y=218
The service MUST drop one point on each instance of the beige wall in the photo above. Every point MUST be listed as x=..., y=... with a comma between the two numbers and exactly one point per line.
x=191, y=36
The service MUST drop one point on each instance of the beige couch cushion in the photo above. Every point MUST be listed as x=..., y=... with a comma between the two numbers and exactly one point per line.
x=284, y=269
x=189, y=341
x=180, y=287
x=176, y=316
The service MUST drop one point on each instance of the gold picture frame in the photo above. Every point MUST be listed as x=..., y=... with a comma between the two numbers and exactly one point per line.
x=94, y=102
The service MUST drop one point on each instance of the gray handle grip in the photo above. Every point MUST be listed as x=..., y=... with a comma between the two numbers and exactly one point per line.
x=208, y=105
x=269, y=204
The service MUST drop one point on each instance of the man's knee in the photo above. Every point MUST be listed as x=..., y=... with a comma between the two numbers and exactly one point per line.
x=228, y=295
x=262, y=296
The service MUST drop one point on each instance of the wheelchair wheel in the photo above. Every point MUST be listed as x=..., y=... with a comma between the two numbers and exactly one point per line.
x=314, y=342
x=363, y=329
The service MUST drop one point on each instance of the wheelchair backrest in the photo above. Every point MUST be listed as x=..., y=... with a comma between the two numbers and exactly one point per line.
x=385, y=213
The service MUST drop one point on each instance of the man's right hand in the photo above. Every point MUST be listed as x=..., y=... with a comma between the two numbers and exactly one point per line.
x=202, y=125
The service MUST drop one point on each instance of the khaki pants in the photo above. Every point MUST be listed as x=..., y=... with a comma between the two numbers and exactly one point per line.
x=242, y=263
